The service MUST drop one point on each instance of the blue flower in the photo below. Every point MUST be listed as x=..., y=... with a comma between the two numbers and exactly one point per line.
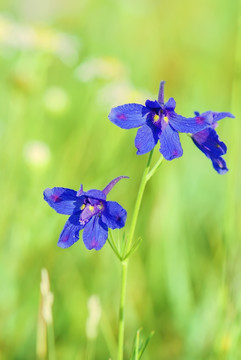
x=208, y=141
x=89, y=211
x=157, y=121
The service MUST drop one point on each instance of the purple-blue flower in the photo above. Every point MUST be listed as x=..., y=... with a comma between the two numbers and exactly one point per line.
x=208, y=141
x=89, y=211
x=157, y=121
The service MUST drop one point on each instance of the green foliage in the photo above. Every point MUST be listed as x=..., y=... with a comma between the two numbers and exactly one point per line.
x=185, y=277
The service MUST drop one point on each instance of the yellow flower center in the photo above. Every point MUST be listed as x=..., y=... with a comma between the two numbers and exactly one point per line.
x=155, y=118
x=82, y=207
x=165, y=118
x=100, y=206
x=91, y=208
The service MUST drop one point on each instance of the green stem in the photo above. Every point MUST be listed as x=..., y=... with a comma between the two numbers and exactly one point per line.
x=154, y=169
x=138, y=202
x=147, y=174
x=125, y=262
x=122, y=308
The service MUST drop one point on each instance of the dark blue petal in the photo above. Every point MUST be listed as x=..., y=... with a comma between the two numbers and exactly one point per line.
x=70, y=232
x=95, y=233
x=108, y=188
x=170, y=104
x=170, y=143
x=95, y=194
x=62, y=200
x=221, y=115
x=146, y=139
x=114, y=215
x=208, y=142
x=152, y=104
x=128, y=116
x=219, y=165
x=189, y=125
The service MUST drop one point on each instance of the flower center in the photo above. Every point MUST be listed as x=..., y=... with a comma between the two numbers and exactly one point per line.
x=155, y=118
x=88, y=211
x=91, y=208
x=165, y=118
x=100, y=206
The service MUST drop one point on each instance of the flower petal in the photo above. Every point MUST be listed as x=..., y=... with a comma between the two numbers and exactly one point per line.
x=219, y=165
x=170, y=143
x=108, y=188
x=221, y=115
x=128, y=116
x=153, y=105
x=70, y=232
x=95, y=233
x=62, y=200
x=114, y=215
x=94, y=194
x=208, y=142
x=170, y=104
x=189, y=125
x=146, y=139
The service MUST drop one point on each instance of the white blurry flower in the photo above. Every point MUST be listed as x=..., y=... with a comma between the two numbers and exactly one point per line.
x=56, y=100
x=47, y=297
x=105, y=68
x=36, y=153
x=93, y=319
x=118, y=93
x=15, y=35
x=65, y=46
x=27, y=37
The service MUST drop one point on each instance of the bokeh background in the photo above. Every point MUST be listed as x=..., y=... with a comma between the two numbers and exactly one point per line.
x=63, y=65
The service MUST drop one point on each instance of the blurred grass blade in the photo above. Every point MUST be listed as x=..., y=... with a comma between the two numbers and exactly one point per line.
x=137, y=341
x=45, y=331
x=139, y=345
x=144, y=345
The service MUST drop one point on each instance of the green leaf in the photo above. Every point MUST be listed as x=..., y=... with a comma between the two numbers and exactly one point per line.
x=140, y=345
x=113, y=246
x=134, y=247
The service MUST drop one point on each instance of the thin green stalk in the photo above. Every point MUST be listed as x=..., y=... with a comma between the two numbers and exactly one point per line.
x=147, y=174
x=122, y=308
x=137, y=345
x=154, y=169
x=138, y=202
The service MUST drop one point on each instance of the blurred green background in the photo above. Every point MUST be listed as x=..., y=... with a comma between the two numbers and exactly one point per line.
x=63, y=65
